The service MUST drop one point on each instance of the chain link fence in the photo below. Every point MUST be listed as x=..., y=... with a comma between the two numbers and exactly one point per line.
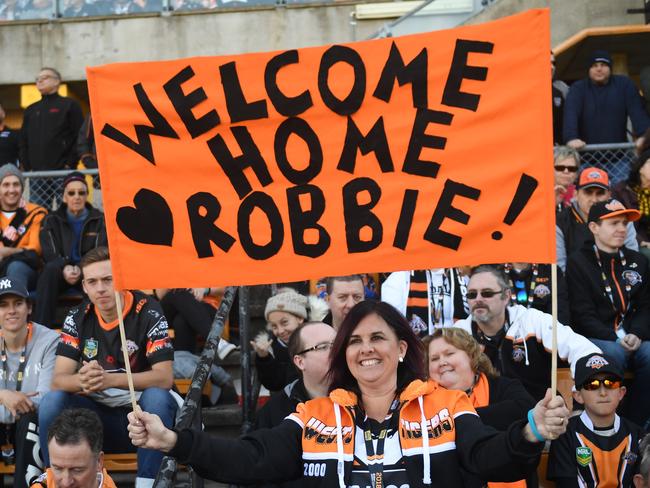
x=616, y=159
x=45, y=188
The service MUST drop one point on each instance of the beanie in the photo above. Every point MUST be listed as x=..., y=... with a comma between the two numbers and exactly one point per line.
x=287, y=301
x=74, y=176
x=9, y=170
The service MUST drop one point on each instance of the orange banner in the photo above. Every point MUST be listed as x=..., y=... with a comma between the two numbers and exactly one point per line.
x=429, y=150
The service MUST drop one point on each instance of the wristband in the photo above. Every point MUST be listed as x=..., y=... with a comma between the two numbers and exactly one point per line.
x=533, y=427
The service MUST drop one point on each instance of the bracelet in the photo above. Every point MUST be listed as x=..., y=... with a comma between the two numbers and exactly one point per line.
x=533, y=427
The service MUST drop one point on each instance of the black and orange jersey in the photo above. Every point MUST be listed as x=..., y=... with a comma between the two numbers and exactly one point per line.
x=86, y=336
x=593, y=458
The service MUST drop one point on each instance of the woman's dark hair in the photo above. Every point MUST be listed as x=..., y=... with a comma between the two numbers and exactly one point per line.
x=634, y=179
x=410, y=369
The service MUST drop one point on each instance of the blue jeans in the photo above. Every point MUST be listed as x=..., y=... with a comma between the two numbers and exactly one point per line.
x=637, y=401
x=23, y=272
x=116, y=436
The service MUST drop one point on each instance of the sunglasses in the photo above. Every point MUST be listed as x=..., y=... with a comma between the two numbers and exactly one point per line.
x=71, y=193
x=472, y=294
x=562, y=168
x=323, y=346
x=608, y=383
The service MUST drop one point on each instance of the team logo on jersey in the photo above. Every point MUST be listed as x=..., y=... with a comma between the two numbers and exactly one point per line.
x=630, y=457
x=131, y=347
x=541, y=291
x=632, y=277
x=518, y=353
x=583, y=456
x=90, y=348
x=596, y=362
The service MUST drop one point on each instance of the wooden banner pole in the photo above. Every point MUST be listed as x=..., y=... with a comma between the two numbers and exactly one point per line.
x=554, y=313
x=125, y=352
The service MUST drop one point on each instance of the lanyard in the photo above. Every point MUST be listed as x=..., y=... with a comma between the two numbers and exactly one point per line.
x=376, y=460
x=625, y=305
x=533, y=281
x=22, y=363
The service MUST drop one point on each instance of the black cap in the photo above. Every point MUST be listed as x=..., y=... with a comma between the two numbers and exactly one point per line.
x=600, y=56
x=611, y=208
x=593, y=364
x=10, y=286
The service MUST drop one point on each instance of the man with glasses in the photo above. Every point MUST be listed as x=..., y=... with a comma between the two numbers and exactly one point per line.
x=515, y=338
x=50, y=127
x=68, y=233
x=599, y=448
x=309, y=348
x=571, y=230
x=89, y=370
x=609, y=293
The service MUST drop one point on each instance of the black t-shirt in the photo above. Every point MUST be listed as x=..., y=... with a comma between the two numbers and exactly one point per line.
x=86, y=337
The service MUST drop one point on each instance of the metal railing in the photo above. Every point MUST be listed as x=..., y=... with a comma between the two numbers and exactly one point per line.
x=11, y=10
x=616, y=159
x=45, y=187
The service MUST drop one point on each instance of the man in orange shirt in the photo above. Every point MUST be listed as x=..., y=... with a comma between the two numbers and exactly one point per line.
x=75, y=445
x=20, y=224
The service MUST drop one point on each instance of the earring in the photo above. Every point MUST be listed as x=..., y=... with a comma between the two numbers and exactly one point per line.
x=401, y=359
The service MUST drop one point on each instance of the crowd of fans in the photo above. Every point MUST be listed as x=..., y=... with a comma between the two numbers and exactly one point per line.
x=485, y=331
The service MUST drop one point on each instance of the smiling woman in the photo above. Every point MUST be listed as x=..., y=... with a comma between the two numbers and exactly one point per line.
x=369, y=431
x=456, y=362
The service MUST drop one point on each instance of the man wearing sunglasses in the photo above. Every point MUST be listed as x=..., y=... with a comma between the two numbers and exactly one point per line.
x=515, y=338
x=599, y=448
x=571, y=231
x=609, y=293
x=309, y=348
x=66, y=235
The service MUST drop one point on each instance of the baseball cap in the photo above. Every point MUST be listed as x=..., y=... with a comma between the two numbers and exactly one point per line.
x=593, y=364
x=9, y=286
x=611, y=208
x=593, y=177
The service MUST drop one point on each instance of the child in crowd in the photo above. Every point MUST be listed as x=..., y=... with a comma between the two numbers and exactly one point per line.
x=599, y=448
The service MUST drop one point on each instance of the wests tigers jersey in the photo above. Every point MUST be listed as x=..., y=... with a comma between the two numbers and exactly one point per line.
x=86, y=337
x=596, y=460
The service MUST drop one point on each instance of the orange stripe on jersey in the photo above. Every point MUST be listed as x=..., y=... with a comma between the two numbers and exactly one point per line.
x=128, y=303
x=607, y=464
x=69, y=340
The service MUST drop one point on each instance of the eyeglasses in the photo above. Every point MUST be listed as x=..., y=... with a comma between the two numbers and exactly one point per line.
x=81, y=193
x=44, y=77
x=472, y=294
x=562, y=168
x=323, y=346
x=608, y=383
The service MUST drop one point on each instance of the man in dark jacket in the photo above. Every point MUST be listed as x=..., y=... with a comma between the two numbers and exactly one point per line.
x=308, y=349
x=597, y=107
x=8, y=142
x=66, y=235
x=571, y=230
x=610, y=301
x=50, y=127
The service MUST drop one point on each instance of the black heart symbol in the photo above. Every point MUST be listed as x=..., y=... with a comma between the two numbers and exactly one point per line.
x=150, y=222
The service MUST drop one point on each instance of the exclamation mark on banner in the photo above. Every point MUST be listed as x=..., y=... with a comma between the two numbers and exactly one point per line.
x=525, y=190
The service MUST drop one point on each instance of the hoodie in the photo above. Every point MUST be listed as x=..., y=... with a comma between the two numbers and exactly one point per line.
x=319, y=444
x=522, y=349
